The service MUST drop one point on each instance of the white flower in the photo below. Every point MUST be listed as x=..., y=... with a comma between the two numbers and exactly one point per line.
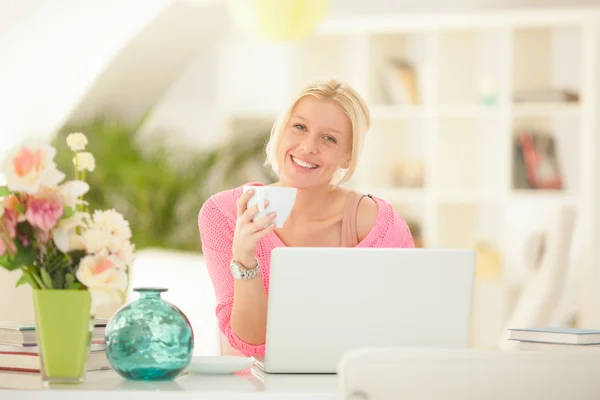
x=105, y=277
x=96, y=240
x=65, y=234
x=71, y=191
x=123, y=249
x=77, y=141
x=84, y=161
x=113, y=222
x=30, y=167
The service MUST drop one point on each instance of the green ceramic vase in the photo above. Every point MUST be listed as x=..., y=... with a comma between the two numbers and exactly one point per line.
x=64, y=328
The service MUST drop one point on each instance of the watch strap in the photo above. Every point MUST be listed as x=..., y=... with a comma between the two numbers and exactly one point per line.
x=243, y=273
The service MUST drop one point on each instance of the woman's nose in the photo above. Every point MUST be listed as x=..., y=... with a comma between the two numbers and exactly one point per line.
x=309, y=144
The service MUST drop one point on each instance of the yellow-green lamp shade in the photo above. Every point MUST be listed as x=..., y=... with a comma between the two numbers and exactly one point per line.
x=278, y=20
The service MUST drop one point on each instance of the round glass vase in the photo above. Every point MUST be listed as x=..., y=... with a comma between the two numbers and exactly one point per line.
x=149, y=339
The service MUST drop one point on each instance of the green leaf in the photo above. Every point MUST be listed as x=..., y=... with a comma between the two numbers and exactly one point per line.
x=20, y=208
x=4, y=191
x=68, y=212
x=46, y=278
x=37, y=279
x=7, y=263
x=22, y=280
x=25, y=256
x=69, y=280
x=26, y=278
x=76, y=286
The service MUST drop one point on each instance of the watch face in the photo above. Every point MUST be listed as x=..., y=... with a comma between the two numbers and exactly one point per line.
x=235, y=271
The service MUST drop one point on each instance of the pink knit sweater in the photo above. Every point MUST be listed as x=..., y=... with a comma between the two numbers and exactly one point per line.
x=216, y=222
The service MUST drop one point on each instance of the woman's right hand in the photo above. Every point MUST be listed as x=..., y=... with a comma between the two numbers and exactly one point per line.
x=247, y=233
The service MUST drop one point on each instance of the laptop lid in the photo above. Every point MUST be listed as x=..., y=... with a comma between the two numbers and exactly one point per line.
x=324, y=301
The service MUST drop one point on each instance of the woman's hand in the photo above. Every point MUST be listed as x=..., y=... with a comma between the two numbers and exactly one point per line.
x=247, y=233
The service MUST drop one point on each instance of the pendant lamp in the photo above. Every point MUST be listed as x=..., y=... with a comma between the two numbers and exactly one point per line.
x=278, y=20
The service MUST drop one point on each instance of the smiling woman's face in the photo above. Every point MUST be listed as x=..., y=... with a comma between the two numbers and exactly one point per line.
x=315, y=143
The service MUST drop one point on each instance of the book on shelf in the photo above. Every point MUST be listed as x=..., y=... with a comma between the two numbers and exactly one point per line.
x=400, y=82
x=26, y=358
x=541, y=346
x=536, y=164
x=23, y=333
x=546, y=96
x=572, y=336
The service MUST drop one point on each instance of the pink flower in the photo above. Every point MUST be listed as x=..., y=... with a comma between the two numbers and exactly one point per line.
x=11, y=221
x=13, y=203
x=104, y=276
x=43, y=213
x=29, y=168
x=11, y=247
x=42, y=237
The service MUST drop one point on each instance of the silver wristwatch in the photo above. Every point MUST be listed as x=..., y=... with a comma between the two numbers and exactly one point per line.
x=241, y=273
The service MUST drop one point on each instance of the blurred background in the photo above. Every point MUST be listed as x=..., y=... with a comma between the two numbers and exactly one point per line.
x=484, y=131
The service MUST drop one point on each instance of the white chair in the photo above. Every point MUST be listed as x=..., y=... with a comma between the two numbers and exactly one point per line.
x=394, y=373
x=189, y=288
x=543, y=294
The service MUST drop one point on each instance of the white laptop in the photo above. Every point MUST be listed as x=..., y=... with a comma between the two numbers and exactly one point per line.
x=324, y=301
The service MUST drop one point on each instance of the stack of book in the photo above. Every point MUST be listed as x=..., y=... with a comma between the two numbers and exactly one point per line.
x=19, y=350
x=550, y=339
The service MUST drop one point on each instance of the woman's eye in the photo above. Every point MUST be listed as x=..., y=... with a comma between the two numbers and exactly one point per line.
x=330, y=139
x=300, y=126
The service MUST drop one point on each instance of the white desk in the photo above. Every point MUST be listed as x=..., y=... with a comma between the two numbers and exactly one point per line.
x=109, y=385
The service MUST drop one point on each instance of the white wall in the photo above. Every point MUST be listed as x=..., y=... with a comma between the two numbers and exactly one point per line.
x=55, y=55
x=188, y=113
x=144, y=70
x=14, y=12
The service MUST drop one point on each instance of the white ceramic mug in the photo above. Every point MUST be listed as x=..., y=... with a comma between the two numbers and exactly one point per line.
x=281, y=201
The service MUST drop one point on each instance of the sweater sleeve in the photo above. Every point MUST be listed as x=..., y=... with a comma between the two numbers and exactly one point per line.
x=395, y=232
x=216, y=234
x=399, y=233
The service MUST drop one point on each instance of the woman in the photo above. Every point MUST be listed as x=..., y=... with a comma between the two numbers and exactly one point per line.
x=314, y=147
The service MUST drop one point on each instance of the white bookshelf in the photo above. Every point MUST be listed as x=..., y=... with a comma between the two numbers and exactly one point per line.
x=464, y=139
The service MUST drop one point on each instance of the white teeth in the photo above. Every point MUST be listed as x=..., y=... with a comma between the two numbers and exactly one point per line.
x=303, y=164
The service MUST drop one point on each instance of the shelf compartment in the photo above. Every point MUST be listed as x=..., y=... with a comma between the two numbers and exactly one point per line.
x=394, y=154
x=401, y=69
x=560, y=159
x=468, y=155
x=547, y=65
x=472, y=68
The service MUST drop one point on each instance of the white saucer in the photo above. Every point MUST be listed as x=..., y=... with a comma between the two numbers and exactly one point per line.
x=212, y=365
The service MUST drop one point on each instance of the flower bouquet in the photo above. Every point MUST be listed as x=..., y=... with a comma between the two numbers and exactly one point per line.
x=72, y=258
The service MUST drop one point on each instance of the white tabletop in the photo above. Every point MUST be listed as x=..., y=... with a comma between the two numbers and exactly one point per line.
x=248, y=384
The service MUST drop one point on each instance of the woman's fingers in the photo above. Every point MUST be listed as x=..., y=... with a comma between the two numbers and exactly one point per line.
x=262, y=223
x=242, y=201
x=264, y=231
x=251, y=212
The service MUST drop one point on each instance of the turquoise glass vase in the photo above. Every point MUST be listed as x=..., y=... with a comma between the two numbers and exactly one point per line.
x=149, y=339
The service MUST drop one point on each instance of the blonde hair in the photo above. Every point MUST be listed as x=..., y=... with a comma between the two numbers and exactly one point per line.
x=354, y=107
